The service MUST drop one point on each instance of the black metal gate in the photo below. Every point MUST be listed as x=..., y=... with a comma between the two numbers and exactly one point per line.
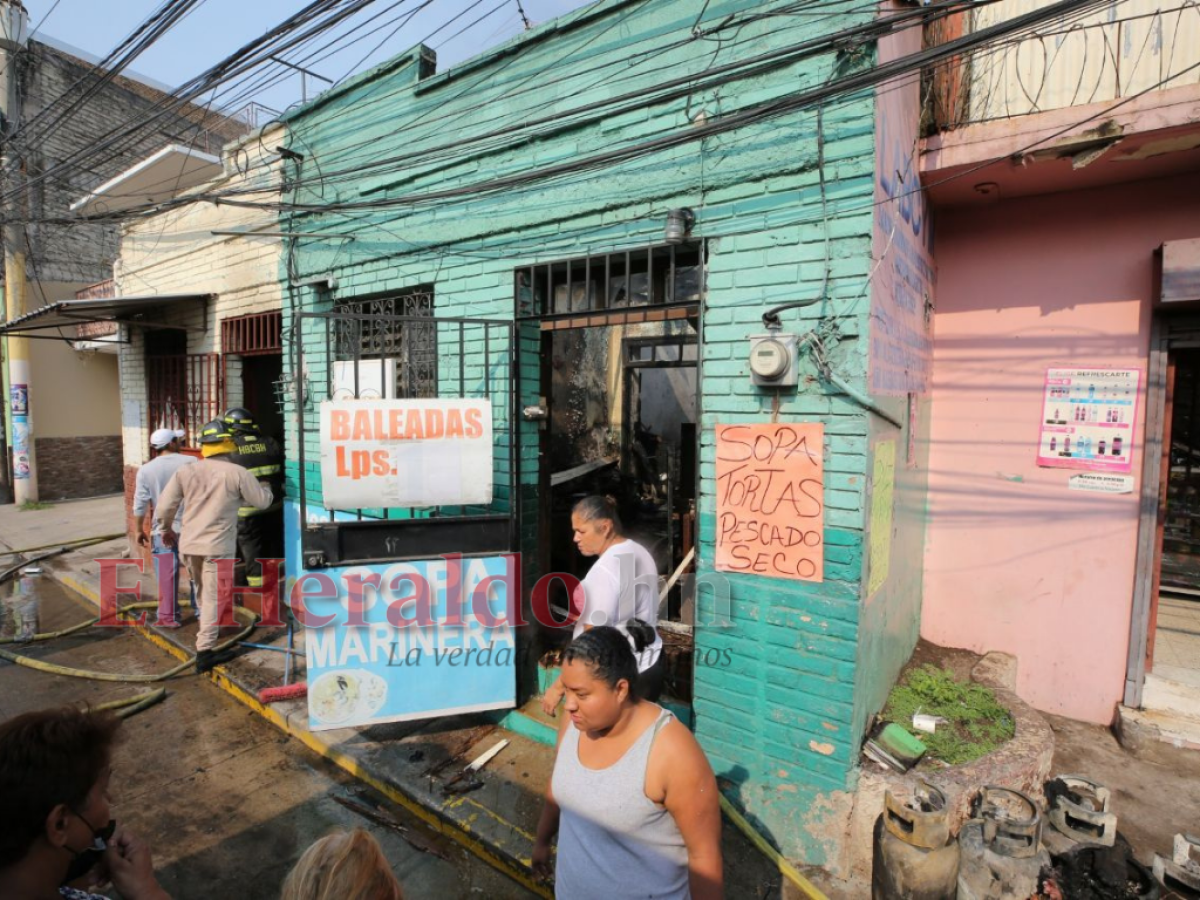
x=358, y=352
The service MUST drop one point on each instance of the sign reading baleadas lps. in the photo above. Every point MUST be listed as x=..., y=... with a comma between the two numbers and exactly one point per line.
x=402, y=453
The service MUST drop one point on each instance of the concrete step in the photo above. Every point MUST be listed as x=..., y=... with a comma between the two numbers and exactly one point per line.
x=1168, y=695
x=1140, y=730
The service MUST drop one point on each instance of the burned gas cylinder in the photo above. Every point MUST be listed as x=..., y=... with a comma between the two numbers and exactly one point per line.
x=1000, y=848
x=1096, y=872
x=1180, y=872
x=914, y=857
x=1080, y=811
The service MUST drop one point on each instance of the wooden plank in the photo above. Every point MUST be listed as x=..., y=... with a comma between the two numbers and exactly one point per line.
x=1164, y=479
x=1152, y=448
x=568, y=475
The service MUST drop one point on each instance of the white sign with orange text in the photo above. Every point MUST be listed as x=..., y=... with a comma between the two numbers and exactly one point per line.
x=382, y=454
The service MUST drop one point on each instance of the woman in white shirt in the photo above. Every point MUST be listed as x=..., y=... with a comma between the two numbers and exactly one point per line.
x=620, y=589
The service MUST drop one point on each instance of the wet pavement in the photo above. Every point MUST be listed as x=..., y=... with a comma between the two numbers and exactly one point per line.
x=496, y=822
x=225, y=800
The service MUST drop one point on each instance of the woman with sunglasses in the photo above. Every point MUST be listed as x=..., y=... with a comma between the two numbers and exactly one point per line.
x=56, y=834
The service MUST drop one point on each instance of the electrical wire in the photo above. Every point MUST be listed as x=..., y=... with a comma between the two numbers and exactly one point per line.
x=35, y=130
x=674, y=88
x=324, y=210
x=505, y=249
x=540, y=84
x=459, y=145
x=610, y=106
x=301, y=26
x=800, y=100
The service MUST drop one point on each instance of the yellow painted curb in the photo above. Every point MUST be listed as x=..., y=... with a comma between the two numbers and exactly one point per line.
x=342, y=760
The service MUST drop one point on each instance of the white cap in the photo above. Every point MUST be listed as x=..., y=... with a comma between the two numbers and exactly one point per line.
x=164, y=436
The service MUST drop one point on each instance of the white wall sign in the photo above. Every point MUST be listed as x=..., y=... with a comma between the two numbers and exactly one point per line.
x=404, y=453
x=1101, y=484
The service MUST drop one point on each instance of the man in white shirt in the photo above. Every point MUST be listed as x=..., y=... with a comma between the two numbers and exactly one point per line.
x=152, y=478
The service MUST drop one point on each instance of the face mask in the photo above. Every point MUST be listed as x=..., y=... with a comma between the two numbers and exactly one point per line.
x=83, y=861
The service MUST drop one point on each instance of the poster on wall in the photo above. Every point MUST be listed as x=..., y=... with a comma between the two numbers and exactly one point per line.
x=883, y=492
x=1087, y=419
x=406, y=453
x=19, y=398
x=771, y=500
x=398, y=641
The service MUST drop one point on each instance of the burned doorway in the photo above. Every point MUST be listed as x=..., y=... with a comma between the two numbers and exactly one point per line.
x=619, y=390
x=253, y=350
x=1173, y=645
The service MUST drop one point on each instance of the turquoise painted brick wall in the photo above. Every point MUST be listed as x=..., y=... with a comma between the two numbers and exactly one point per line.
x=778, y=720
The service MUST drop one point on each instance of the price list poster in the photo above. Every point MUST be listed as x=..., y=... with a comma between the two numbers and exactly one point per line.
x=1087, y=419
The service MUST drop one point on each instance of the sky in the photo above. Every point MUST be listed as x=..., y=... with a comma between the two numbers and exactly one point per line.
x=216, y=28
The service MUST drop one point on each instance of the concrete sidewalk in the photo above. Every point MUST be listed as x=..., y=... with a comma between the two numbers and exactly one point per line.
x=406, y=762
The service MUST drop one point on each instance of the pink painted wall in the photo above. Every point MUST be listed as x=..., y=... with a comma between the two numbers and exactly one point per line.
x=1014, y=561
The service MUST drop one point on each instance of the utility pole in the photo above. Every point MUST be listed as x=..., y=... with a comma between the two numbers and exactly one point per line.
x=14, y=28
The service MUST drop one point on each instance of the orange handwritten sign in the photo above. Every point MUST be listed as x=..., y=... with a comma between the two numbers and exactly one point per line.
x=771, y=500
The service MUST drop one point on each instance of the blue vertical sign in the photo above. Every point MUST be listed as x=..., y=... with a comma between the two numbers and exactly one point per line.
x=19, y=400
x=395, y=641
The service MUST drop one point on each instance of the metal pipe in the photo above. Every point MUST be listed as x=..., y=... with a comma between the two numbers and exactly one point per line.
x=862, y=399
x=269, y=647
x=291, y=636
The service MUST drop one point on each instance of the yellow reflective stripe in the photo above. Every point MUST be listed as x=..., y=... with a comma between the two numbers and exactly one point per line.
x=254, y=581
x=265, y=470
x=246, y=512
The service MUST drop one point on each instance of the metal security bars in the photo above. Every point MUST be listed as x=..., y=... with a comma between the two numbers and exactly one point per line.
x=185, y=391
x=391, y=327
x=666, y=275
x=258, y=334
x=371, y=356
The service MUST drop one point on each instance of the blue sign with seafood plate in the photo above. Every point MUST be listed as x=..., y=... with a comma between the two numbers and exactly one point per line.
x=394, y=641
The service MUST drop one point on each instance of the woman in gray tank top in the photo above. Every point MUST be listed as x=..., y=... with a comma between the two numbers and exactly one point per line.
x=632, y=799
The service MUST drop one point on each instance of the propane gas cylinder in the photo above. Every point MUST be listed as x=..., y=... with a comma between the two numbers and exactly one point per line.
x=913, y=857
x=1001, y=848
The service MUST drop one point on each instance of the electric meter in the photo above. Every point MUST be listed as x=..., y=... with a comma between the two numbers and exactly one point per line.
x=773, y=360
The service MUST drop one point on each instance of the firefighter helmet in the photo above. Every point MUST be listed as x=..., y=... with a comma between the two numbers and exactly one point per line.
x=239, y=419
x=214, y=432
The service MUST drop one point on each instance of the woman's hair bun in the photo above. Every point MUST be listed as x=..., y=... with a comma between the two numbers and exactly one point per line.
x=642, y=633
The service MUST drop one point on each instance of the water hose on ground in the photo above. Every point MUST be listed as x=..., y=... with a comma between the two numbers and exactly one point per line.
x=807, y=888
x=13, y=570
x=51, y=635
x=54, y=669
x=133, y=705
x=66, y=545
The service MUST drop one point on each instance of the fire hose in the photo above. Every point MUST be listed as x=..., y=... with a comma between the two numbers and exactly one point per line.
x=77, y=544
x=54, y=669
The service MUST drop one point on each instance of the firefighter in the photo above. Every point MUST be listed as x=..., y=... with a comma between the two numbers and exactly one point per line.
x=260, y=531
x=214, y=491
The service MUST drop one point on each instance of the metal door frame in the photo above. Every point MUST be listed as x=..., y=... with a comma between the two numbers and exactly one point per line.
x=1166, y=334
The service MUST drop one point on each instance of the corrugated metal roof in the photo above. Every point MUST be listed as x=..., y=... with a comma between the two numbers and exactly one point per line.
x=109, y=309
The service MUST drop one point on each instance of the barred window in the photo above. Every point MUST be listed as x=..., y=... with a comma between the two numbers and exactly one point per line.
x=373, y=332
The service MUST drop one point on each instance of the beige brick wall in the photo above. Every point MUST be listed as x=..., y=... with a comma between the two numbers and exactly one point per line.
x=175, y=252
